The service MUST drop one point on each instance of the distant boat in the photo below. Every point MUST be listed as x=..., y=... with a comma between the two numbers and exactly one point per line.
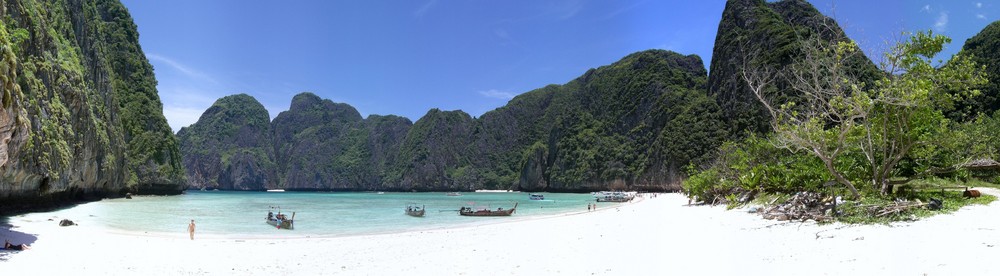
x=453, y=194
x=415, y=211
x=536, y=197
x=275, y=190
x=494, y=191
x=281, y=221
x=613, y=197
x=485, y=212
x=381, y=193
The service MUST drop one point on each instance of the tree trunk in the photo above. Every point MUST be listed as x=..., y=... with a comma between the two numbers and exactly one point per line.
x=886, y=187
x=840, y=178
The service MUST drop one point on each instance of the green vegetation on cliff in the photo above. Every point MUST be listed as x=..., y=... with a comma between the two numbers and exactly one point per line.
x=231, y=146
x=625, y=125
x=877, y=138
x=772, y=33
x=83, y=112
x=984, y=49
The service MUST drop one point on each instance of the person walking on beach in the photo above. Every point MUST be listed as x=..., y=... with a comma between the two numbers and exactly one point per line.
x=191, y=229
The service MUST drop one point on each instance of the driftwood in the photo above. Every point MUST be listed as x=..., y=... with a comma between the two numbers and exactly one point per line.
x=802, y=206
x=895, y=208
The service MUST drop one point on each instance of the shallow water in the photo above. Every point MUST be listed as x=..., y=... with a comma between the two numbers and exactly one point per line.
x=241, y=214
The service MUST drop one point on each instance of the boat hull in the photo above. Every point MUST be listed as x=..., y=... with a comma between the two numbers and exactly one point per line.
x=466, y=211
x=284, y=224
x=415, y=213
x=613, y=199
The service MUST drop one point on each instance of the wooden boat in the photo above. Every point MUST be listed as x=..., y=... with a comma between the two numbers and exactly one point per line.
x=499, y=212
x=415, y=211
x=280, y=221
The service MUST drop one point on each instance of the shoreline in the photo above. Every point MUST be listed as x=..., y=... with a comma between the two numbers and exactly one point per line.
x=216, y=236
x=658, y=235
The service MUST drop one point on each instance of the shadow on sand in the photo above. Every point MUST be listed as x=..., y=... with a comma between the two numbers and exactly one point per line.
x=9, y=232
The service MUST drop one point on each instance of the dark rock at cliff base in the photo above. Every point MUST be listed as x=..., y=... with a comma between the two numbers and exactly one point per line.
x=66, y=222
x=81, y=117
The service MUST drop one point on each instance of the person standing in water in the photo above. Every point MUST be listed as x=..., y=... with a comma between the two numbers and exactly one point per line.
x=191, y=229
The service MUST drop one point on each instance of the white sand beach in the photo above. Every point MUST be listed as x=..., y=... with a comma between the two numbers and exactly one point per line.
x=655, y=236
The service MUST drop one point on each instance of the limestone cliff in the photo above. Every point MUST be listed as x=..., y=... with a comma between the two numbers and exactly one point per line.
x=80, y=116
x=230, y=147
x=984, y=47
x=770, y=31
x=631, y=124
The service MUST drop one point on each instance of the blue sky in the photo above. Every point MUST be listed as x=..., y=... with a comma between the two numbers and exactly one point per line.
x=406, y=57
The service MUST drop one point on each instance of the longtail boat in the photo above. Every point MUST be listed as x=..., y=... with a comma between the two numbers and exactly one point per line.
x=281, y=221
x=485, y=212
x=415, y=211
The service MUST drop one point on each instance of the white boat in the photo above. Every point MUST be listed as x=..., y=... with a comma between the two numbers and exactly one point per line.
x=275, y=190
x=613, y=196
x=536, y=197
x=453, y=194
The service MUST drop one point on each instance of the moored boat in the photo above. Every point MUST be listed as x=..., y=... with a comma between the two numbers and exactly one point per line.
x=536, y=197
x=453, y=194
x=613, y=197
x=486, y=212
x=276, y=190
x=415, y=211
x=281, y=221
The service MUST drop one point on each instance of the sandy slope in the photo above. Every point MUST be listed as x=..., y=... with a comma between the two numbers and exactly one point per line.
x=658, y=236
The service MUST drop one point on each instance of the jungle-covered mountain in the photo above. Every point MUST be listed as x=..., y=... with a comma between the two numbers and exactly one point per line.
x=632, y=124
x=763, y=34
x=80, y=114
x=984, y=48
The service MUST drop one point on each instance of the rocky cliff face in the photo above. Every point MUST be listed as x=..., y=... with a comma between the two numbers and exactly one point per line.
x=984, y=47
x=230, y=147
x=80, y=116
x=314, y=140
x=770, y=32
x=434, y=154
x=619, y=126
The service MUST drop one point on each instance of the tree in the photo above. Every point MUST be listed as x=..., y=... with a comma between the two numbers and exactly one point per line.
x=836, y=112
x=909, y=104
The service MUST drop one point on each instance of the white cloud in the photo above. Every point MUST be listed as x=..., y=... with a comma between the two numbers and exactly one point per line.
x=419, y=13
x=941, y=24
x=493, y=93
x=179, y=117
x=622, y=10
x=180, y=67
x=182, y=106
x=926, y=8
x=979, y=4
x=565, y=9
x=981, y=16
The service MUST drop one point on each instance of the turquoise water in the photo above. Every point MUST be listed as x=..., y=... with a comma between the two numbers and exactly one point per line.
x=241, y=214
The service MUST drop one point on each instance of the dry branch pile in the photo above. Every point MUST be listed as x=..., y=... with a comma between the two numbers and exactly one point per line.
x=802, y=206
x=895, y=208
